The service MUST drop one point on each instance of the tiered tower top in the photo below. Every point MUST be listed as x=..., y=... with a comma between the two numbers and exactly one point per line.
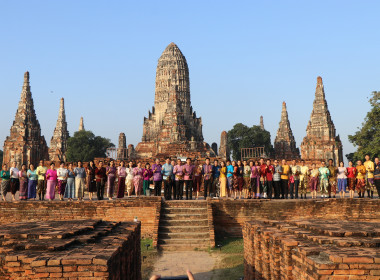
x=320, y=124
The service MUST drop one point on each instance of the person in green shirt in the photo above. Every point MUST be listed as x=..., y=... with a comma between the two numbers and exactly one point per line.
x=41, y=184
x=324, y=174
x=5, y=176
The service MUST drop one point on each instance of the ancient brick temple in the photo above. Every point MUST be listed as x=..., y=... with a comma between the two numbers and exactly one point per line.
x=122, y=151
x=262, y=122
x=224, y=152
x=25, y=143
x=321, y=142
x=284, y=144
x=81, y=124
x=58, y=142
x=172, y=128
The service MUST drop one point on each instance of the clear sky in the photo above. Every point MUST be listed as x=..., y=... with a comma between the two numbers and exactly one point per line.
x=244, y=57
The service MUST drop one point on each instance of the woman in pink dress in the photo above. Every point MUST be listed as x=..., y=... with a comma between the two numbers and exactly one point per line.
x=23, y=178
x=51, y=176
x=138, y=178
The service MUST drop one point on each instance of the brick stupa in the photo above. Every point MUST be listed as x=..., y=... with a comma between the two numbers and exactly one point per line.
x=25, y=143
x=284, y=144
x=58, y=142
x=122, y=147
x=321, y=142
x=172, y=128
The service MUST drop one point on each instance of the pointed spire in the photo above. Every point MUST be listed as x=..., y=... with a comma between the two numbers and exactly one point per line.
x=262, y=122
x=25, y=143
x=319, y=91
x=81, y=124
x=321, y=142
x=58, y=142
x=285, y=144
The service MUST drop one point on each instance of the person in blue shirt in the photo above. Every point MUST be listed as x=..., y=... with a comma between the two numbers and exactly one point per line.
x=230, y=181
x=167, y=176
x=215, y=178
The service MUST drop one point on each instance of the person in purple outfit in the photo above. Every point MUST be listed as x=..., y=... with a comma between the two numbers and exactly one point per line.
x=147, y=175
x=178, y=172
x=157, y=177
x=207, y=173
x=188, y=170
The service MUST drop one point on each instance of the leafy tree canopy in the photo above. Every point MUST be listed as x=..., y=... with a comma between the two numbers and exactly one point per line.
x=367, y=138
x=85, y=146
x=242, y=136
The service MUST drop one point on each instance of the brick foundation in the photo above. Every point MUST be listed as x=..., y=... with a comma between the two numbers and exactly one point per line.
x=229, y=216
x=81, y=249
x=311, y=249
x=147, y=210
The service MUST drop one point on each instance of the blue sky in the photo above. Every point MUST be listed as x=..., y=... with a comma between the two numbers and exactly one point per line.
x=244, y=57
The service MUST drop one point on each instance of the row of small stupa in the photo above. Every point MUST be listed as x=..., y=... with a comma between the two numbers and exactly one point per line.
x=172, y=128
x=25, y=144
x=320, y=142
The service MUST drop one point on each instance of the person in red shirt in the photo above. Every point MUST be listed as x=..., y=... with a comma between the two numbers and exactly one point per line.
x=351, y=178
x=269, y=178
x=263, y=178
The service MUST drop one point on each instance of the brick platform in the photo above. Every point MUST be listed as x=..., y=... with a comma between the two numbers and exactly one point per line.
x=146, y=209
x=81, y=249
x=312, y=249
x=230, y=216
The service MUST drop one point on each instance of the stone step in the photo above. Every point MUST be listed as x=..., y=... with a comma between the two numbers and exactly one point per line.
x=188, y=222
x=179, y=210
x=184, y=216
x=184, y=235
x=171, y=247
x=196, y=242
x=185, y=204
x=188, y=228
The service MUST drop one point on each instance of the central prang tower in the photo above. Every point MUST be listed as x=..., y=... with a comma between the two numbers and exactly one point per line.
x=172, y=128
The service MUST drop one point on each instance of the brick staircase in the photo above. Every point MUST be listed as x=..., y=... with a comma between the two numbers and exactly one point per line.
x=184, y=225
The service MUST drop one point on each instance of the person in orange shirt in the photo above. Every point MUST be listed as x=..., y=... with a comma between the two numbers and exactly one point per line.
x=360, y=179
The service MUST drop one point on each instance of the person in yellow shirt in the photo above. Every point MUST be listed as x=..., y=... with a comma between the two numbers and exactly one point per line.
x=370, y=168
x=41, y=183
x=285, y=179
x=303, y=179
x=223, y=179
x=360, y=178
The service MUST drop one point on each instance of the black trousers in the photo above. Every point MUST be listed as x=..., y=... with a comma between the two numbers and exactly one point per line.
x=214, y=188
x=284, y=188
x=100, y=190
x=157, y=188
x=294, y=189
x=178, y=190
x=277, y=189
x=189, y=189
x=377, y=184
x=206, y=186
x=167, y=189
x=269, y=189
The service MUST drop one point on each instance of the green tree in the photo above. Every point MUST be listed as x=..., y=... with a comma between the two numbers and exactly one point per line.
x=242, y=136
x=85, y=146
x=367, y=138
x=1, y=157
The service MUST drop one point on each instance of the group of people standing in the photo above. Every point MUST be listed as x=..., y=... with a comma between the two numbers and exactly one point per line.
x=236, y=179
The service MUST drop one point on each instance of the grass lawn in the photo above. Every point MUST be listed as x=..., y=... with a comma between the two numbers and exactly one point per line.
x=148, y=258
x=231, y=259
